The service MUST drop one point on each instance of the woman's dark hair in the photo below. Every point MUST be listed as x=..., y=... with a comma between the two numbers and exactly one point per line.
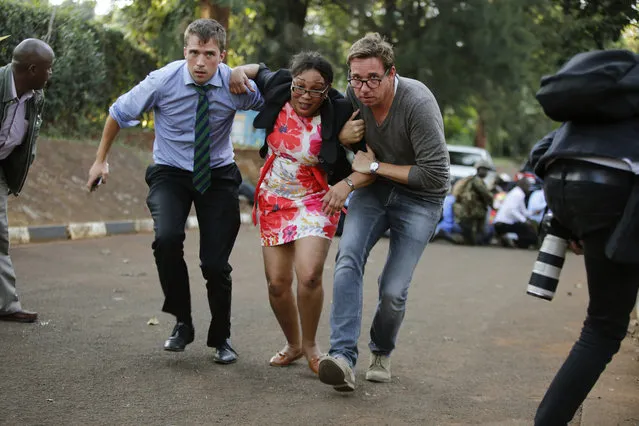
x=304, y=61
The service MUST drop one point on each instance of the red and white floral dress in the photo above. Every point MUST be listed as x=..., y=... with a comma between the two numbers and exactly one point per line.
x=292, y=185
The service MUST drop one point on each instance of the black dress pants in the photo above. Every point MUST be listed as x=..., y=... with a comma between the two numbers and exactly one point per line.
x=588, y=200
x=526, y=235
x=171, y=195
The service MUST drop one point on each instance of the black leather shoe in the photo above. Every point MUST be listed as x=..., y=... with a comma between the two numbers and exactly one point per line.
x=20, y=316
x=225, y=354
x=182, y=335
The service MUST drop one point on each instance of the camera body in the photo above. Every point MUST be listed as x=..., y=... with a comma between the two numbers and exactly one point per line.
x=550, y=260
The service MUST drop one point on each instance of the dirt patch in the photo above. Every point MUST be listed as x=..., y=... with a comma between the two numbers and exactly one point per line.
x=54, y=192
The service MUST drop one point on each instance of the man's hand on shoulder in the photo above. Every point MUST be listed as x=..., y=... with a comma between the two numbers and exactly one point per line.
x=353, y=130
x=239, y=82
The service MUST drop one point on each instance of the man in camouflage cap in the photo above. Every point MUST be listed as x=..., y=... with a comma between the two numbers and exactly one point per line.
x=472, y=199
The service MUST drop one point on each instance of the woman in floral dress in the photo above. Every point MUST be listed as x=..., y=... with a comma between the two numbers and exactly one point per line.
x=296, y=208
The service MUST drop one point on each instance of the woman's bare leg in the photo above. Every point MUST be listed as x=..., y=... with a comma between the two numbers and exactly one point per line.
x=310, y=256
x=278, y=266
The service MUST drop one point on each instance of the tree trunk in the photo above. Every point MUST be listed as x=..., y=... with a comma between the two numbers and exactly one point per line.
x=218, y=10
x=286, y=37
x=205, y=9
x=480, y=133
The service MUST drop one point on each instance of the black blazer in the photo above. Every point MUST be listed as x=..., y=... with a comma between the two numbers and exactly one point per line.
x=334, y=112
x=610, y=140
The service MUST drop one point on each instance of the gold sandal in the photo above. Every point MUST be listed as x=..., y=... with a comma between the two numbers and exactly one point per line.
x=313, y=363
x=284, y=359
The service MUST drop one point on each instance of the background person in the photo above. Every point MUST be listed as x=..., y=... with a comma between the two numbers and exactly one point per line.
x=472, y=202
x=21, y=103
x=513, y=217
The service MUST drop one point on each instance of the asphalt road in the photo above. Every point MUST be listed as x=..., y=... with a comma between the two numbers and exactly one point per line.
x=473, y=349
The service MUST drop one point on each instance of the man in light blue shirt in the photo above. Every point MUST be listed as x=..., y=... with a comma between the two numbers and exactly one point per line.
x=193, y=164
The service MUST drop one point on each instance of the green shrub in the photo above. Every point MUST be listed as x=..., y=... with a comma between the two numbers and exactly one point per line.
x=93, y=66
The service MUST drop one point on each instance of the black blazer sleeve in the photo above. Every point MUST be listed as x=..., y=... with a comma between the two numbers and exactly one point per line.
x=342, y=110
x=268, y=81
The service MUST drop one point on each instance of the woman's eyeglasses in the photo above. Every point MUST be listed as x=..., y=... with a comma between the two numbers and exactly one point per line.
x=312, y=93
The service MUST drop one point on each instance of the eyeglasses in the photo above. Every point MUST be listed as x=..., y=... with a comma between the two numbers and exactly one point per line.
x=297, y=90
x=372, y=83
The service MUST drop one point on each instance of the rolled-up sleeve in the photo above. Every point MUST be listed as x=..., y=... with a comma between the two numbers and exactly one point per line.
x=127, y=108
x=426, y=131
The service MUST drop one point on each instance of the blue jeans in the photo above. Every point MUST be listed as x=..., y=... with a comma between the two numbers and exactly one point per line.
x=372, y=211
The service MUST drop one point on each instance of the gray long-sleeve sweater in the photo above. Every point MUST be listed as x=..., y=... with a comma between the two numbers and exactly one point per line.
x=411, y=134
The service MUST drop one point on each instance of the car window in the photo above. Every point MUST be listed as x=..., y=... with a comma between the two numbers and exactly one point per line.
x=463, y=158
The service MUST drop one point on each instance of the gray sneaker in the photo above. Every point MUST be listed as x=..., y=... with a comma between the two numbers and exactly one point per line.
x=379, y=369
x=337, y=373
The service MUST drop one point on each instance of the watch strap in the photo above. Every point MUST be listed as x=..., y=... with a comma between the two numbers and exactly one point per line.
x=374, y=167
x=349, y=182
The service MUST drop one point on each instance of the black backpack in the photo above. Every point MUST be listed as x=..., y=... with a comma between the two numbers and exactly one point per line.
x=600, y=86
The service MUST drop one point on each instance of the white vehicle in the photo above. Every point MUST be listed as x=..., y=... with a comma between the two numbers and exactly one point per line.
x=462, y=162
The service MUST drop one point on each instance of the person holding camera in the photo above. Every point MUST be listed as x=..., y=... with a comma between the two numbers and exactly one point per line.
x=590, y=168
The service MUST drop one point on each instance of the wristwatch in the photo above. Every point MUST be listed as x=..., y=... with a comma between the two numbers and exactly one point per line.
x=349, y=182
x=374, y=167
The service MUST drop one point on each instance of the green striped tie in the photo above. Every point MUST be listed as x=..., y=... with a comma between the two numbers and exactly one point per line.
x=201, y=150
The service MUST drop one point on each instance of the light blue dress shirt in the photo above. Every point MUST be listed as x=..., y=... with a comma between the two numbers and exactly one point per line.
x=168, y=92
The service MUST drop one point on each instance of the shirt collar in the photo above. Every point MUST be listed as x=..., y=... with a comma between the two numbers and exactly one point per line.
x=13, y=95
x=7, y=82
x=9, y=86
x=216, y=80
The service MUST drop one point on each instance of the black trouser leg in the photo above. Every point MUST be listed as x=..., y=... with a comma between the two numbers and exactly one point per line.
x=613, y=292
x=473, y=230
x=218, y=216
x=526, y=235
x=468, y=231
x=590, y=209
x=169, y=201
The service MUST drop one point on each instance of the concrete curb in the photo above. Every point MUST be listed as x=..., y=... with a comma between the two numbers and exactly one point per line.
x=79, y=231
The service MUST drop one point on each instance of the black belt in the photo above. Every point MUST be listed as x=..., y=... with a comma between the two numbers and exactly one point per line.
x=582, y=171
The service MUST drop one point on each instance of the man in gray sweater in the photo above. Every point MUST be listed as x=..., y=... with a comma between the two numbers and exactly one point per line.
x=408, y=159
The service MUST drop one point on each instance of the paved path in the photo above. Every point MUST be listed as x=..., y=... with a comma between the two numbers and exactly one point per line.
x=474, y=349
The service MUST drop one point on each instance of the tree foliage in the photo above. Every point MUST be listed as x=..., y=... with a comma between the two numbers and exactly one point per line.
x=483, y=59
x=92, y=65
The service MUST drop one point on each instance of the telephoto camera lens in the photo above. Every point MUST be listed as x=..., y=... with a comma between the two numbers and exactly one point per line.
x=545, y=275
